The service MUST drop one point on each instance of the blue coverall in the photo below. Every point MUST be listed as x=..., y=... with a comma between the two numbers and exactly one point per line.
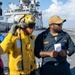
x=62, y=67
x=1, y=63
x=1, y=38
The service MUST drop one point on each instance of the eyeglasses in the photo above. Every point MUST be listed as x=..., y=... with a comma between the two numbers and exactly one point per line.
x=59, y=24
x=31, y=25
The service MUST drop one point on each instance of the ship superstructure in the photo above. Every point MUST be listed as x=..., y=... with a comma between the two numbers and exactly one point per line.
x=24, y=7
x=3, y=24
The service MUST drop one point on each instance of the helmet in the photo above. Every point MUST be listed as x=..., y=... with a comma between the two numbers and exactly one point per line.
x=27, y=19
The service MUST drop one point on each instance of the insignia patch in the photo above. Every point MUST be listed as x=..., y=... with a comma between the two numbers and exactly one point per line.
x=46, y=42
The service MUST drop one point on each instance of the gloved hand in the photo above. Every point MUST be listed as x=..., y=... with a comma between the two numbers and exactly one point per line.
x=62, y=53
x=13, y=29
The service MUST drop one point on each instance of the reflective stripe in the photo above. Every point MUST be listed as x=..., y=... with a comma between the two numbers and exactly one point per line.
x=32, y=43
x=18, y=43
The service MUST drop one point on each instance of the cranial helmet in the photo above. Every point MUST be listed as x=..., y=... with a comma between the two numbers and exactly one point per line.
x=27, y=19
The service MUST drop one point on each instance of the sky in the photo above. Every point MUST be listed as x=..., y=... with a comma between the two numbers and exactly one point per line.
x=63, y=8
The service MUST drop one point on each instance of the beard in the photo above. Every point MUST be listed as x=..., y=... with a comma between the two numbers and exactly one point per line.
x=57, y=30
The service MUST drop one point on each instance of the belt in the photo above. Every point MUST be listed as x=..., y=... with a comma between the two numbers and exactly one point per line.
x=24, y=74
x=56, y=63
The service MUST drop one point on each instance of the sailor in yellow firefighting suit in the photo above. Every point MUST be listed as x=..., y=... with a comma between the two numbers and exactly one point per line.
x=19, y=46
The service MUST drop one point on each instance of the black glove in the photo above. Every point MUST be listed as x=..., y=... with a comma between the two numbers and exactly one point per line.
x=13, y=29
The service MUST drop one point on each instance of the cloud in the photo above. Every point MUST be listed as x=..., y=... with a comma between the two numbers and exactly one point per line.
x=13, y=6
x=64, y=10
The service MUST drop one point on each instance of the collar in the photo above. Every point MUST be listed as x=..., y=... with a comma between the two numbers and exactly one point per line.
x=47, y=32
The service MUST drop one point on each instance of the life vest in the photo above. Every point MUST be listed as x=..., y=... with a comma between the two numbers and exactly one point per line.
x=12, y=45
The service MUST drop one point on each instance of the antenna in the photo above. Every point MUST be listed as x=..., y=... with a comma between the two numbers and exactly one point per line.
x=0, y=9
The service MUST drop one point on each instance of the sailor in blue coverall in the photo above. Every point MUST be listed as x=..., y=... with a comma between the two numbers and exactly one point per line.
x=1, y=62
x=54, y=62
x=1, y=38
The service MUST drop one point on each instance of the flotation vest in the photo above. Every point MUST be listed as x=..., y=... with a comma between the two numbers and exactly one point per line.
x=12, y=46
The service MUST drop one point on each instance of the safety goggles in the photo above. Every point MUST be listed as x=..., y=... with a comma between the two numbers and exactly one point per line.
x=31, y=25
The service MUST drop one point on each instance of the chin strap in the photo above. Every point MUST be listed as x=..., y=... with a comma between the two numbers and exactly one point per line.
x=22, y=67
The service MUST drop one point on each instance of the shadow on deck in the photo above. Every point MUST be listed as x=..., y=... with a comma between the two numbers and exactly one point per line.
x=6, y=70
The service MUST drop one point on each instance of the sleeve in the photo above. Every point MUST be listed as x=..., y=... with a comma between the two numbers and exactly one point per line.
x=1, y=38
x=6, y=44
x=38, y=45
x=1, y=64
x=71, y=46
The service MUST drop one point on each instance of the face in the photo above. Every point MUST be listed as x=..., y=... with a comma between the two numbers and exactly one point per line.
x=29, y=30
x=56, y=27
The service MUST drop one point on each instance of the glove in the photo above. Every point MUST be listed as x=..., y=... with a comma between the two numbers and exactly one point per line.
x=13, y=29
x=62, y=53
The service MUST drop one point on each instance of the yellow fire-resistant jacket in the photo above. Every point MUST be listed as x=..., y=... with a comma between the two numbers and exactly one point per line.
x=18, y=50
